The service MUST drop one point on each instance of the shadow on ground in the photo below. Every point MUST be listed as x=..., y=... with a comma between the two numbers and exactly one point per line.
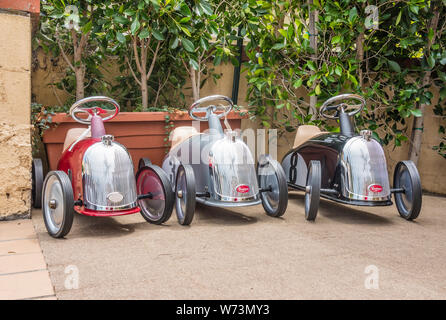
x=343, y=213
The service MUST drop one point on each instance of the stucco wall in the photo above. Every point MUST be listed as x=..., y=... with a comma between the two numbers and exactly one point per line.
x=15, y=100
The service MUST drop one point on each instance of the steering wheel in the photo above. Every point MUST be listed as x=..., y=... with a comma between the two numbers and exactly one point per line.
x=328, y=105
x=76, y=109
x=210, y=109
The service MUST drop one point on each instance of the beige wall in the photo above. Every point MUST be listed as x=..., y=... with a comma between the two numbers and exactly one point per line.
x=15, y=100
x=432, y=166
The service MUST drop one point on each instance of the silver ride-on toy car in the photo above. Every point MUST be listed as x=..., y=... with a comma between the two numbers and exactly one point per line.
x=347, y=167
x=217, y=168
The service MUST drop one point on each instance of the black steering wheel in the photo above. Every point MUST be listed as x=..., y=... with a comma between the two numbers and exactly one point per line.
x=210, y=109
x=343, y=105
x=76, y=109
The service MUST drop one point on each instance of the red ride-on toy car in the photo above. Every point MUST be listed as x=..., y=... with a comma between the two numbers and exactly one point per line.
x=95, y=176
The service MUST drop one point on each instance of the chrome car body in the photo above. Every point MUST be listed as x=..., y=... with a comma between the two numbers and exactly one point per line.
x=107, y=177
x=228, y=169
x=353, y=166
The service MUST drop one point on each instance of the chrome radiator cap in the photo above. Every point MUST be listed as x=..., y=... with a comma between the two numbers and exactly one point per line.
x=364, y=170
x=107, y=177
x=232, y=170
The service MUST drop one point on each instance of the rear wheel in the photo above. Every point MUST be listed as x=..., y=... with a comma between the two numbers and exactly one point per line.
x=144, y=162
x=37, y=183
x=185, y=194
x=157, y=205
x=409, y=201
x=57, y=204
x=313, y=190
x=273, y=186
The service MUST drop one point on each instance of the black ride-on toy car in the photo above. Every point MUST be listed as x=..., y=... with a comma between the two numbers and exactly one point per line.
x=347, y=167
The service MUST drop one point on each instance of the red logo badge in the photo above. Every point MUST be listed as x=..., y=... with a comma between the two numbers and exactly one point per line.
x=375, y=188
x=243, y=188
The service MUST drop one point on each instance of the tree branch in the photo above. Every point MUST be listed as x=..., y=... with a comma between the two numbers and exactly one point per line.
x=133, y=72
x=155, y=54
x=135, y=51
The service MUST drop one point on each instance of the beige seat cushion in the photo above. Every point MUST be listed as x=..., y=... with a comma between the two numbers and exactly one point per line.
x=305, y=133
x=72, y=135
x=180, y=134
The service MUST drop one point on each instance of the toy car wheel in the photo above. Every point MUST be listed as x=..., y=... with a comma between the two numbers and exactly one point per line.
x=185, y=194
x=152, y=181
x=58, y=204
x=144, y=162
x=313, y=190
x=407, y=178
x=37, y=183
x=273, y=186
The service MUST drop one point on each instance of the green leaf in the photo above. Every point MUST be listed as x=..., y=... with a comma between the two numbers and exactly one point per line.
x=394, y=66
x=188, y=45
x=184, y=9
x=87, y=27
x=416, y=112
x=311, y=65
x=144, y=34
x=120, y=37
x=173, y=43
x=431, y=61
x=443, y=93
x=278, y=46
x=194, y=64
x=158, y=35
x=135, y=26
x=336, y=39
x=120, y=19
x=398, y=19
x=338, y=70
x=204, y=44
x=186, y=31
x=430, y=34
x=317, y=90
x=185, y=19
x=297, y=83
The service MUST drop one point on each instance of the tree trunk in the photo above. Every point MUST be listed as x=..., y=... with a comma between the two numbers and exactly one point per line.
x=195, y=85
x=418, y=123
x=80, y=90
x=313, y=44
x=144, y=86
x=144, y=92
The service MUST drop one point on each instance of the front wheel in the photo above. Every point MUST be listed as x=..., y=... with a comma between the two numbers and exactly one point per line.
x=58, y=204
x=185, y=194
x=408, y=202
x=155, y=196
x=273, y=187
x=313, y=190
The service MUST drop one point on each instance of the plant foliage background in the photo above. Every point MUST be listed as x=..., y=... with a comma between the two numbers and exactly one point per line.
x=300, y=52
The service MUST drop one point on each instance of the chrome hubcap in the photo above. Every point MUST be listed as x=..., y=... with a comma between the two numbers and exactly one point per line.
x=53, y=197
x=52, y=204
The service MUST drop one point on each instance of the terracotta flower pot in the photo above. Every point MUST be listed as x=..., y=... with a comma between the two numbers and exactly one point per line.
x=142, y=133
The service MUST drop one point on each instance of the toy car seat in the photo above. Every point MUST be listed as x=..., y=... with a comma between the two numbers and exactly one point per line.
x=72, y=135
x=180, y=134
x=305, y=133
